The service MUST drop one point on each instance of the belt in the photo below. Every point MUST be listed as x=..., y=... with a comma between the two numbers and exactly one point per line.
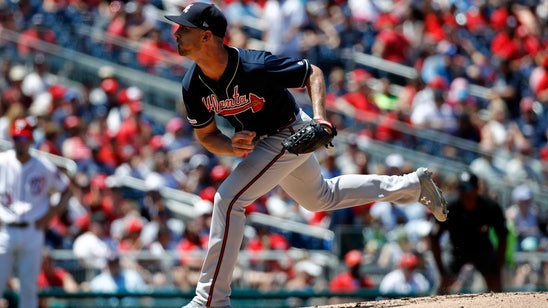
x=279, y=129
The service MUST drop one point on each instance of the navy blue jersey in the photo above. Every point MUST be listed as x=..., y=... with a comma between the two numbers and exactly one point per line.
x=251, y=94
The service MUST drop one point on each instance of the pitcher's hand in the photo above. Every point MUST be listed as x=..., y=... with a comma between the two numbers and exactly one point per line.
x=242, y=143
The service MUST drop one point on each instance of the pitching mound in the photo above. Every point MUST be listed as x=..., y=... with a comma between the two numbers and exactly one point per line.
x=498, y=300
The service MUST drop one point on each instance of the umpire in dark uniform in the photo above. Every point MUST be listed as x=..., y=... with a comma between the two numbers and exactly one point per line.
x=470, y=218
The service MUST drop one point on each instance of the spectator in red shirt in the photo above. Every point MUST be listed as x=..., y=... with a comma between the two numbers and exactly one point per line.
x=351, y=280
x=131, y=240
x=33, y=36
x=191, y=245
x=358, y=103
x=506, y=44
x=52, y=276
x=155, y=52
x=539, y=79
x=134, y=131
x=390, y=43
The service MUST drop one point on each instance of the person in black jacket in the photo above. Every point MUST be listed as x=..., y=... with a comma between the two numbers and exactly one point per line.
x=470, y=218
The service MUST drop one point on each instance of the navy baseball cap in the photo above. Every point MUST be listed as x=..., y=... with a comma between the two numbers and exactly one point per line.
x=202, y=15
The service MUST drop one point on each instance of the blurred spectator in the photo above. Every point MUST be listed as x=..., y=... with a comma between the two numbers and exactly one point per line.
x=352, y=159
x=390, y=43
x=263, y=239
x=138, y=24
x=459, y=97
x=405, y=280
x=500, y=132
x=280, y=204
x=39, y=79
x=92, y=247
x=100, y=199
x=524, y=216
x=523, y=167
x=538, y=80
x=307, y=277
x=336, y=86
x=424, y=100
x=176, y=136
x=115, y=278
x=55, y=277
x=466, y=128
x=468, y=223
x=358, y=102
x=31, y=38
x=329, y=167
x=192, y=246
x=162, y=265
x=351, y=279
x=105, y=149
x=509, y=86
x=320, y=41
x=198, y=173
x=127, y=210
x=155, y=210
x=52, y=133
x=13, y=93
x=486, y=167
x=155, y=54
x=115, y=98
x=441, y=117
x=131, y=238
x=283, y=21
x=75, y=146
x=14, y=111
x=383, y=98
x=238, y=11
x=530, y=123
x=135, y=129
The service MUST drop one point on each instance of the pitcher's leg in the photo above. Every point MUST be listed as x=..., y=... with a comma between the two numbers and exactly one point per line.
x=252, y=178
x=225, y=238
x=307, y=186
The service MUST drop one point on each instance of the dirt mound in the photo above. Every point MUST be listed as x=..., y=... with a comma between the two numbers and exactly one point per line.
x=498, y=300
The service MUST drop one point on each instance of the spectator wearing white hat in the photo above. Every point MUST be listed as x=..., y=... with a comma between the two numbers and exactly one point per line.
x=523, y=214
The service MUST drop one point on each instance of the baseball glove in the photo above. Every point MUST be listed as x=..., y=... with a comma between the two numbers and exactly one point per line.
x=310, y=137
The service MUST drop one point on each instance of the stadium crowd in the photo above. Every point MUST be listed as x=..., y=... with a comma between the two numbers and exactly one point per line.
x=499, y=45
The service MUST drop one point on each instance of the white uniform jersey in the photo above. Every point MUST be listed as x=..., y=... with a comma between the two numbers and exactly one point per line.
x=25, y=188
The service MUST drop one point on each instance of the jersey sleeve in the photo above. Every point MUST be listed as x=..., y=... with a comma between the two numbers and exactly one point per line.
x=197, y=114
x=287, y=72
x=58, y=181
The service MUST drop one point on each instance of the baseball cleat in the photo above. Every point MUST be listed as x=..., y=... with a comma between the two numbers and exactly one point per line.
x=431, y=196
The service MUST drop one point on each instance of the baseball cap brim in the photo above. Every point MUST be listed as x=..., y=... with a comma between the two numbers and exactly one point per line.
x=180, y=20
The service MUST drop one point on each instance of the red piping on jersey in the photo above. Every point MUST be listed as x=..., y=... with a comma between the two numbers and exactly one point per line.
x=227, y=222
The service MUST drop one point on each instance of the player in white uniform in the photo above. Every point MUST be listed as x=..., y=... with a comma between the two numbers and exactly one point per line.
x=26, y=182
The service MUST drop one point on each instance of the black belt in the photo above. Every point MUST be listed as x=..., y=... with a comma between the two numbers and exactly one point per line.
x=279, y=129
x=18, y=224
